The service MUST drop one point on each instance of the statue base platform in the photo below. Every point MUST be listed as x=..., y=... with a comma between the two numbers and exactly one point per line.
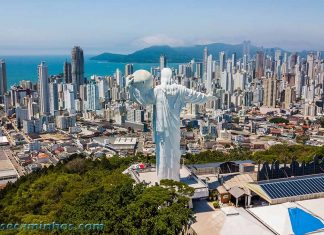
x=149, y=176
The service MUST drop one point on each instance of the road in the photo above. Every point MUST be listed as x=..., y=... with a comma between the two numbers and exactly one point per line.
x=27, y=138
x=5, y=131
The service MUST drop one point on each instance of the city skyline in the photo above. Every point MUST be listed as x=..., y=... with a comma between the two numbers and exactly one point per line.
x=40, y=27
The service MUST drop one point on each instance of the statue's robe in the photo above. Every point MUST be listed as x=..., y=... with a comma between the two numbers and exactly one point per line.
x=167, y=101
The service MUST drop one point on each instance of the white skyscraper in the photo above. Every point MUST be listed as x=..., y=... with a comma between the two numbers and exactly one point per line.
x=53, y=92
x=103, y=89
x=224, y=80
x=92, y=103
x=209, y=74
x=222, y=61
x=205, y=56
x=44, y=107
x=69, y=98
x=119, y=78
x=163, y=62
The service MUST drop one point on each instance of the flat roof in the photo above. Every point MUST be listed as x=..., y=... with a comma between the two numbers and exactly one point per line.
x=6, y=167
x=7, y=172
x=3, y=139
x=279, y=217
x=316, y=206
x=275, y=217
x=216, y=164
x=125, y=140
x=210, y=221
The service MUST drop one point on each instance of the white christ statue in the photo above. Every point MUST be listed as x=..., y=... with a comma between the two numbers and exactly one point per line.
x=167, y=99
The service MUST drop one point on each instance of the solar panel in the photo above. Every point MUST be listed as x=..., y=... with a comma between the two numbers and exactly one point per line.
x=293, y=187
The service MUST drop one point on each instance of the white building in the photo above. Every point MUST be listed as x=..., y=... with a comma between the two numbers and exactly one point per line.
x=92, y=103
x=53, y=97
x=209, y=74
x=32, y=126
x=64, y=122
x=33, y=146
x=124, y=144
x=43, y=89
x=119, y=79
x=69, y=98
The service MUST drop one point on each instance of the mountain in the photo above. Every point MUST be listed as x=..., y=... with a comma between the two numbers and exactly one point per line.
x=174, y=54
x=185, y=54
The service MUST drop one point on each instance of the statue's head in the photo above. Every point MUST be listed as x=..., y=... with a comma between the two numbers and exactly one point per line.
x=166, y=76
x=142, y=79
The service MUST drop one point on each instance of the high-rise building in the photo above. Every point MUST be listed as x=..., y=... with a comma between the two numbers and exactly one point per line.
x=163, y=62
x=278, y=56
x=278, y=63
x=310, y=65
x=192, y=67
x=43, y=89
x=26, y=84
x=246, y=48
x=290, y=97
x=53, y=96
x=119, y=79
x=129, y=69
x=234, y=62
x=209, y=74
x=3, y=79
x=222, y=61
x=259, y=64
x=245, y=62
x=205, y=57
x=77, y=68
x=69, y=98
x=199, y=70
x=292, y=60
x=30, y=107
x=270, y=92
x=92, y=103
x=67, y=72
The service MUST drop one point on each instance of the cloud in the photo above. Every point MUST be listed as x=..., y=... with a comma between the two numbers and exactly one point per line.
x=159, y=39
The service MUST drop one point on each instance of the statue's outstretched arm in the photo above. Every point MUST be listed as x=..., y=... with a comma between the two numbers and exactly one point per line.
x=195, y=97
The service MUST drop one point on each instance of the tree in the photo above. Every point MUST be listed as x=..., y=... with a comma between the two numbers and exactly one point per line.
x=279, y=120
x=82, y=191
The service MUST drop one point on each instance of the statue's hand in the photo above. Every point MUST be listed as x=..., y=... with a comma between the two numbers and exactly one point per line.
x=210, y=97
x=129, y=80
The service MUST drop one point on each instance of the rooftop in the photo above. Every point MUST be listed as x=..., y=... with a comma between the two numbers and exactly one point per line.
x=225, y=222
x=290, y=189
x=216, y=164
x=122, y=140
x=308, y=213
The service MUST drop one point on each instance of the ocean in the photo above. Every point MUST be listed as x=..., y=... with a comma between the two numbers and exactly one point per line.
x=25, y=67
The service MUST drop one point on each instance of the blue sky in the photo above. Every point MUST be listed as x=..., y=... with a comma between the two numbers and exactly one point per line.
x=53, y=27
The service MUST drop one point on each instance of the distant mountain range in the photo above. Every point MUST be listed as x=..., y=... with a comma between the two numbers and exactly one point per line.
x=180, y=54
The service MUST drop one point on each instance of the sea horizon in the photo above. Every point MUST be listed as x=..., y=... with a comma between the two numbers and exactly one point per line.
x=24, y=67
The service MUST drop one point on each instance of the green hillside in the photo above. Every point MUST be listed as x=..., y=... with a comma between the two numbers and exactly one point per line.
x=173, y=54
x=93, y=192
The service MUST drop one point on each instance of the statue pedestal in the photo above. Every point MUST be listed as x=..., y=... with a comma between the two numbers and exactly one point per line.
x=149, y=177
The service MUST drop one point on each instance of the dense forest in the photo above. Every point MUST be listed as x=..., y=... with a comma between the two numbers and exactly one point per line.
x=83, y=190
